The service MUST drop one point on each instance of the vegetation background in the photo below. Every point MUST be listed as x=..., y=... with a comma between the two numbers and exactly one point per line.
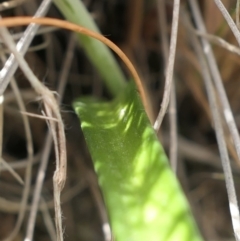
x=54, y=55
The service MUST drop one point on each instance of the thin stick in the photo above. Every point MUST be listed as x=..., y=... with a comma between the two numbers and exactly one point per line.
x=22, y=163
x=27, y=95
x=173, y=130
x=237, y=13
x=196, y=153
x=229, y=20
x=13, y=207
x=48, y=142
x=220, y=42
x=172, y=111
x=28, y=173
x=40, y=31
x=1, y=127
x=18, y=21
x=38, y=187
x=11, y=170
x=228, y=115
x=38, y=116
x=170, y=65
x=11, y=65
x=217, y=120
x=1, y=135
x=48, y=220
x=52, y=109
x=227, y=111
x=66, y=67
x=233, y=204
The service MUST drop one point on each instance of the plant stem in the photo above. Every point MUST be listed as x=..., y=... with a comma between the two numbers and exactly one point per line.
x=98, y=53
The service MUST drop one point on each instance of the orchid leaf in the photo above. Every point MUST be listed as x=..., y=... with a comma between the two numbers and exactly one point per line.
x=142, y=195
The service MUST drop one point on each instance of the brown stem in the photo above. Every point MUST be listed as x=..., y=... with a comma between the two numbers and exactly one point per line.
x=16, y=21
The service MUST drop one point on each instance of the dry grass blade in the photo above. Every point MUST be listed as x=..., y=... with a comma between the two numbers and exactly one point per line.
x=170, y=65
x=11, y=170
x=172, y=109
x=53, y=110
x=48, y=220
x=3, y=163
x=229, y=20
x=22, y=163
x=48, y=144
x=219, y=41
x=39, y=116
x=227, y=110
x=173, y=154
x=11, y=64
x=15, y=207
x=66, y=67
x=217, y=119
x=221, y=142
x=145, y=30
x=38, y=187
x=237, y=13
x=41, y=30
x=28, y=174
x=16, y=21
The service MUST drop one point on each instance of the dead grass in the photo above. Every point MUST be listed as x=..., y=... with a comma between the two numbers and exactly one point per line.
x=61, y=65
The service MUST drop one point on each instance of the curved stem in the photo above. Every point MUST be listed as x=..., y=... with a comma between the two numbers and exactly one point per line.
x=17, y=21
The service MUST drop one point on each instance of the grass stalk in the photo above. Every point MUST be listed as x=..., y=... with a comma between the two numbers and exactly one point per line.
x=98, y=53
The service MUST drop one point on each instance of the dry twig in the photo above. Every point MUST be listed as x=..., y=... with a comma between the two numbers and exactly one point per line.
x=170, y=65
x=52, y=110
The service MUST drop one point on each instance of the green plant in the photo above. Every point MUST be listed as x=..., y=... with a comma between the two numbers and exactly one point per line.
x=143, y=197
x=75, y=12
x=142, y=194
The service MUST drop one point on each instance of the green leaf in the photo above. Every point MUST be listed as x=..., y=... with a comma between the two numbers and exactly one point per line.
x=99, y=54
x=143, y=197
